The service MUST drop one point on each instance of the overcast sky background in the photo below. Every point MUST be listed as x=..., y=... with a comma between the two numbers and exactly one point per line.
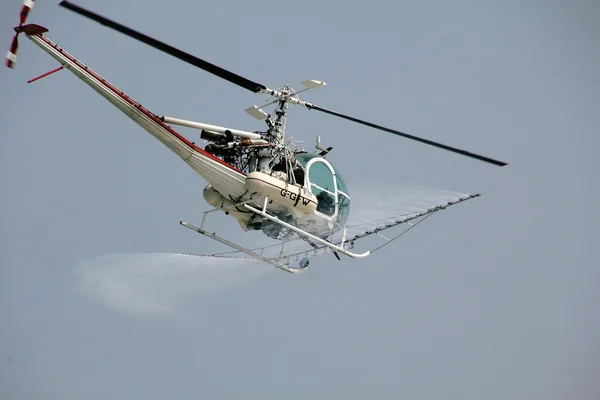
x=496, y=298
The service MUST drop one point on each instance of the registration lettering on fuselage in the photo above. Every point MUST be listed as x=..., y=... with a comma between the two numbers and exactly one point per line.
x=294, y=197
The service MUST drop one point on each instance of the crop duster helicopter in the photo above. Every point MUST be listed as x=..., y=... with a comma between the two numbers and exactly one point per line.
x=262, y=179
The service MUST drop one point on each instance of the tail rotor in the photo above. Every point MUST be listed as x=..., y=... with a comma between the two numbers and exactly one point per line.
x=11, y=57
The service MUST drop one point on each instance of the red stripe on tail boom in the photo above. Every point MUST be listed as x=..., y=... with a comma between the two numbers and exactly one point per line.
x=128, y=99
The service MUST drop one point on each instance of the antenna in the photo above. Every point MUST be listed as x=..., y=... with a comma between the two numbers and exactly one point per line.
x=324, y=151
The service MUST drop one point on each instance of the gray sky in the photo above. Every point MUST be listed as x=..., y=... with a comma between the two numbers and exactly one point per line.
x=494, y=299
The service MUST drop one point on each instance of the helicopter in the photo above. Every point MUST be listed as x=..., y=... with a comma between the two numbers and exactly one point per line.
x=265, y=180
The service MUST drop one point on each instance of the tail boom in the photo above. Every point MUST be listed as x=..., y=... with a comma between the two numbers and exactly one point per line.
x=223, y=176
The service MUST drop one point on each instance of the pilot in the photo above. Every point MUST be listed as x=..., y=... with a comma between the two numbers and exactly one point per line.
x=299, y=176
x=326, y=203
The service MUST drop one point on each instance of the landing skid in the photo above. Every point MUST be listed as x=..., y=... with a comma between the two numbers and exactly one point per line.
x=275, y=262
x=257, y=256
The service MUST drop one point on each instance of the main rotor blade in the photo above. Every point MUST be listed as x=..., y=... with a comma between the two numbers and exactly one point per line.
x=213, y=69
x=406, y=135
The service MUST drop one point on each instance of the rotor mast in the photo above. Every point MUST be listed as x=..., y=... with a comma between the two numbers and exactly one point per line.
x=275, y=135
x=276, y=132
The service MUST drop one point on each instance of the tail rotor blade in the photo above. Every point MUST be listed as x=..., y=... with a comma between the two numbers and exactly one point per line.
x=11, y=57
x=27, y=6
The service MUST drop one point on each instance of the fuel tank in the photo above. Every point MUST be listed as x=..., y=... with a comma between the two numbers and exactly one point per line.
x=217, y=200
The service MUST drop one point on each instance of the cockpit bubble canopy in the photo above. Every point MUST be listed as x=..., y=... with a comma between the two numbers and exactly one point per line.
x=326, y=182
